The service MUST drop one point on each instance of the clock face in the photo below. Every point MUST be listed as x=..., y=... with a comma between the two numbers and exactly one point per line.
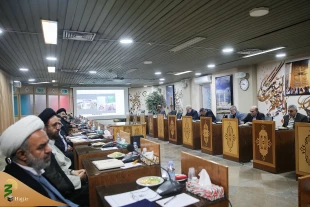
x=244, y=84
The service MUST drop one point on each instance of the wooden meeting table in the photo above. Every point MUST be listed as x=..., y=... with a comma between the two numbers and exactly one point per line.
x=108, y=190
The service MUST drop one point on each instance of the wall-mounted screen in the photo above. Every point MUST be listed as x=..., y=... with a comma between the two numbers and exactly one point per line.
x=100, y=103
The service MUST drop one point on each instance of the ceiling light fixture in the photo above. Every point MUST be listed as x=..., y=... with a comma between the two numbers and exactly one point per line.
x=92, y=72
x=23, y=69
x=211, y=66
x=31, y=80
x=157, y=73
x=51, y=58
x=51, y=69
x=228, y=50
x=144, y=86
x=126, y=41
x=53, y=81
x=1, y=31
x=187, y=44
x=161, y=79
x=259, y=12
x=16, y=81
x=197, y=73
x=148, y=62
x=49, y=31
x=161, y=82
x=266, y=51
x=280, y=55
x=181, y=73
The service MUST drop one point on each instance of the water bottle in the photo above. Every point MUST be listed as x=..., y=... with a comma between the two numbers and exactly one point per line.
x=93, y=127
x=118, y=138
x=135, y=146
x=171, y=170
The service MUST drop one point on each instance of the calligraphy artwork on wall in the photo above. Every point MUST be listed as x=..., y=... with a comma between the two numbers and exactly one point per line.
x=178, y=94
x=224, y=94
x=297, y=78
x=135, y=102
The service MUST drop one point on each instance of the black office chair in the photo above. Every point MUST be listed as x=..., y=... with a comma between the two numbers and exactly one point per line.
x=179, y=115
x=173, y=112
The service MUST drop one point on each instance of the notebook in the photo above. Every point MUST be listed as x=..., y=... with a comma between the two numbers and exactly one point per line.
x=108, y=164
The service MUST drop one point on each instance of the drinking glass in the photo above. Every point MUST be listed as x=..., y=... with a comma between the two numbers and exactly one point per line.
x=191, y=174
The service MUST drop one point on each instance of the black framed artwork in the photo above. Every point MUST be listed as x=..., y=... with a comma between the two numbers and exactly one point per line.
x=224, y=94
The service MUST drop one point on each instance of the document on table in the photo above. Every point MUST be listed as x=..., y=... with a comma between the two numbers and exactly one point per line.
x=132, y=197
x=178, y=200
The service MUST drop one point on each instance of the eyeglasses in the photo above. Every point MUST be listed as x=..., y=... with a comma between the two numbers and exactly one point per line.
x=55, y=125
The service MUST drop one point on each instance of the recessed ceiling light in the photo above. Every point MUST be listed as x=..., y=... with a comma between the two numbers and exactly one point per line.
x=144, y=86
x=51, y=58
x=49, y=31
x=1, y=31
x=181, y=73
x=281, y=55
x=93, y=72
x=126, y=41
x=157, y=73
x=53, y=81
x=211, y=66
x=16, y=81
x=51, y=69
x=161, y=82
x=197, y=73
x=81, y=83
x=148, y=62
x=128, y=83
x=258, y=12
x=228, y=50
x=266, y=51
x=31, y=79
x=161, y=79
x=23, y=69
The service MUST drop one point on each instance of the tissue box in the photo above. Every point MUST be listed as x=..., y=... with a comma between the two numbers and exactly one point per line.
x=211, y=193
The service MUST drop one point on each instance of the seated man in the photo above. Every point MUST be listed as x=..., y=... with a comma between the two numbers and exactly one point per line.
x=65, y=124
x=25, y=145
x=191, y=112
x=52, y=128
x=293, y=116
x=160, y=110
x=207, y=113
x=253, y=115
x=235, y=114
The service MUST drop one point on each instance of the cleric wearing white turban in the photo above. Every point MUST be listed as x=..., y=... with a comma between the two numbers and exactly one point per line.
x=14, y=136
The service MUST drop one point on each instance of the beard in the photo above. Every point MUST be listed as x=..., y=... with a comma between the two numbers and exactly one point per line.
x=38, y=164
x=52, y=135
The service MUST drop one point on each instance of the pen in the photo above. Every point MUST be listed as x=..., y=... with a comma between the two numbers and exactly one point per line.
x=170, y=200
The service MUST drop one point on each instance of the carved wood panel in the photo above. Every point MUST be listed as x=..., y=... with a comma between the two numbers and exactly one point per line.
x=230, y=135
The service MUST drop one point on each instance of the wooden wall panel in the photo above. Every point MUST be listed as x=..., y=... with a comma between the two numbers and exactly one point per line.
x=6, y=102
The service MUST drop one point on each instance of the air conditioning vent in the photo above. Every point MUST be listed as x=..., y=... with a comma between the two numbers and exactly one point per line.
x=80, y=36
x=203, y=80
x=68, y=70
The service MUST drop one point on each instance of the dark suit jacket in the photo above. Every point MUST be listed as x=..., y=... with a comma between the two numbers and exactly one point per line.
x=299, y=118
x=209, y=113
x=193, y=114
x=249, y=118
x=23, y=176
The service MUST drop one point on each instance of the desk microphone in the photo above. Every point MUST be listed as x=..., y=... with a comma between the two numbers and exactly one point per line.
x=169, y=186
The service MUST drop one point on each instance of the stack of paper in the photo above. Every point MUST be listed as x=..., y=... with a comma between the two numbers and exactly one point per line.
x=178, y=200
x=108, y=164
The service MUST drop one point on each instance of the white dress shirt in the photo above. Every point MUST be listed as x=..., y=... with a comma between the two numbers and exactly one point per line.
x=64, y=162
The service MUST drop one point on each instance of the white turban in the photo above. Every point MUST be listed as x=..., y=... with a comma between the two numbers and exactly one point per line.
x=14, y=136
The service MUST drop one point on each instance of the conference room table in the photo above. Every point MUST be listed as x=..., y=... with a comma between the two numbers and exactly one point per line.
x=109, y=190
x=114, y=176
x=82, y=152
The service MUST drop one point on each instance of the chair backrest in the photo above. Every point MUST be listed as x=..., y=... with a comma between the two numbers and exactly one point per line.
x=125, y=135
x=304, y=191
x=179, y=115
x=218, y=173
x=173, y=112
x=150, y=146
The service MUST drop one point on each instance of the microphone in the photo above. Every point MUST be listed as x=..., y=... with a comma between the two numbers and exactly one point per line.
x=132, y=155
x=169, y=186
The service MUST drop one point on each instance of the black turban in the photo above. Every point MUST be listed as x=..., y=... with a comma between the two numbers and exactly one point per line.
x=61, y=110
x=46, y=114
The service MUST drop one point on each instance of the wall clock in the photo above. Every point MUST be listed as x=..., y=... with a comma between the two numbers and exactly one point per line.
x=244, y=84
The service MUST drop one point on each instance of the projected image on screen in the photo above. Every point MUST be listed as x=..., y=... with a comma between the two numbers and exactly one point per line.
x=100, y=102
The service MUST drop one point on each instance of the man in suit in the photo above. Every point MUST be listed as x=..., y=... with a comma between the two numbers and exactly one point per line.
x=235, y=114
x=25, y=145
x=160, y=110
x=207, y=113
x=253, y=115
x=293, y=116
x=65, y=124
x=191, y=112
